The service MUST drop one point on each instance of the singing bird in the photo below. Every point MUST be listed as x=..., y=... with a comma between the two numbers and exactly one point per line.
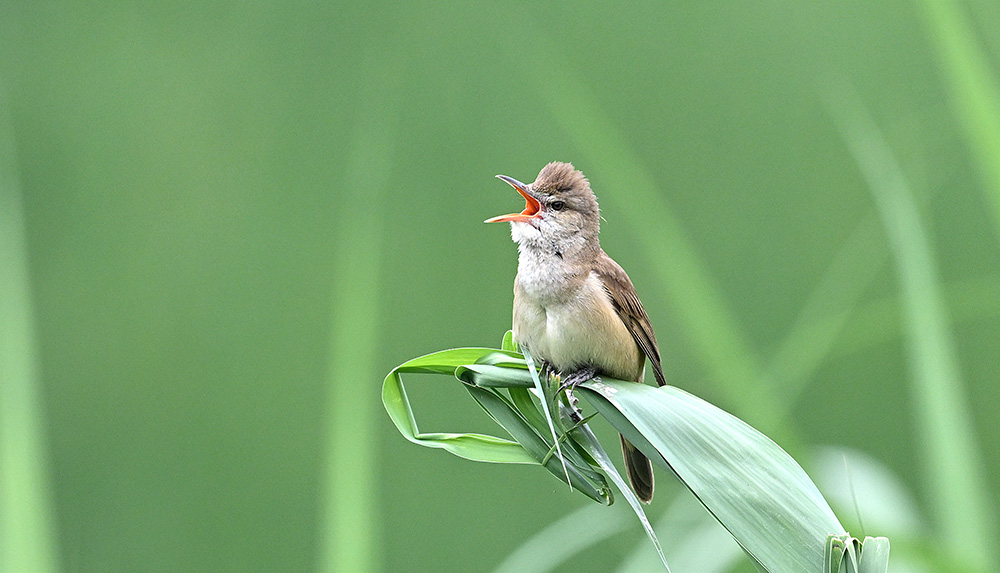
x=575, y=309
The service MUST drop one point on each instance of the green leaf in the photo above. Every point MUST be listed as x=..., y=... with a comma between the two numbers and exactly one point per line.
x=508, y=342
x=748, y=483
x=528, y=406
x=875, y=555
x=599, y=454
x=955, y=474
x=477, y=447
x=488, y=376
x=974, y=87
x=583, y=438
x=445, y=361
x=506, y=358
x=755, y=489
x=865, y=492
x=846, y=554
x=572, y=472
x=528, y=446
x=546, y=392
x=28, y=539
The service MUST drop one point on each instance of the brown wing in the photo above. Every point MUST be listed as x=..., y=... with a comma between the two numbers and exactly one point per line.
x=626, y=302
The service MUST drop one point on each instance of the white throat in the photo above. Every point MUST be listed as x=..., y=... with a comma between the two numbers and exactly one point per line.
x=550, y=269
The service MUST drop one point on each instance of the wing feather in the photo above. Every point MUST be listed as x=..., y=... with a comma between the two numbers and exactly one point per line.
x=626, y=302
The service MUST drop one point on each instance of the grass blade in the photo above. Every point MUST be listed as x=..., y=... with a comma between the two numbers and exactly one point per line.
x=576, y=474
x=975, y=90
x=527, y=405
x=547, y=393
x=589, y=440
x=348, y=519
x=476, y=447
x=958, y=493
x=874, y=555
x=846, y=554
x=748, y=483
x=27, y=535
x=526, y=427
x=857, y=483
x=563, y=538
x=491, y=376
x=695, y=541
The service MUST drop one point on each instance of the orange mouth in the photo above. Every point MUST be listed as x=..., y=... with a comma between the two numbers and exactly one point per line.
x=532, y=207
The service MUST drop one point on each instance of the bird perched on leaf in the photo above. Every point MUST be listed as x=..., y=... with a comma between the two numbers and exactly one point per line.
x=575, y=309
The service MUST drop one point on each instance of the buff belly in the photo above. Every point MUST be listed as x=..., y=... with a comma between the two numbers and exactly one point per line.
x=576, y=331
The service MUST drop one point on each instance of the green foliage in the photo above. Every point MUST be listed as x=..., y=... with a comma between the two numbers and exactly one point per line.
x=950, y=451
x=475, y=447
x=745, y=480
x=27, y=539
x=845, y=554
x=974, y=87
x=230, y=220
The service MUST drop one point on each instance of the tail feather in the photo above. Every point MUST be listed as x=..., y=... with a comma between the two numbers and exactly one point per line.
x=639, y=471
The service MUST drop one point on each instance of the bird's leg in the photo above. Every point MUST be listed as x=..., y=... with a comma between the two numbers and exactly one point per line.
x=543, y=374
x=575, y=413
x=572, y=380
x=544, y=371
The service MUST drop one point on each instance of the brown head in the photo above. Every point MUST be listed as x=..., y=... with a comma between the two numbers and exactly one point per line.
x=560, y=210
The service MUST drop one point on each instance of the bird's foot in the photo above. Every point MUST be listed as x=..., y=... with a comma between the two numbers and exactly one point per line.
x=573, y=380
x=575, y=413
x=545, y=371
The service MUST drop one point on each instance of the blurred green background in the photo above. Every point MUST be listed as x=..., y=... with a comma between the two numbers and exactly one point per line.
x=224, y=223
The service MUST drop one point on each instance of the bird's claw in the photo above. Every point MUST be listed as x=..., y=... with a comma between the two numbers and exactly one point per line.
x=570, y=383
x=544, y=371
x=575, y=413
x=574, y=379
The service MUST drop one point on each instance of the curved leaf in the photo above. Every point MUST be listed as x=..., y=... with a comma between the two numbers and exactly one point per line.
x=755, y=489
x=481, y=371
x=476, y=447
x=573, y=470
x=489, y=376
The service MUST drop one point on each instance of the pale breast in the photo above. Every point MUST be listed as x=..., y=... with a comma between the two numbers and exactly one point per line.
x=578, y=329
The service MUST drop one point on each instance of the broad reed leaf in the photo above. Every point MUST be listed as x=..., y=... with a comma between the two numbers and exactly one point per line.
x=516, y=413
x=476, y=447
x=745, y=480
x=755, y=489
x=573, y=472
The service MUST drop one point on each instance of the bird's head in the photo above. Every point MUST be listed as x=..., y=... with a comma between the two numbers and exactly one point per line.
x=560, y=210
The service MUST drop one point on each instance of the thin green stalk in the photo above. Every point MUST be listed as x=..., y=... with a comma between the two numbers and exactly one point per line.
x=27, y=534
x=547, y=392
x=877, y=322
x=824, y=315
x=349, y=517
x=696, y=298
x=694, y=539
x=952, y=464
x=975, y=89
x=564, y=538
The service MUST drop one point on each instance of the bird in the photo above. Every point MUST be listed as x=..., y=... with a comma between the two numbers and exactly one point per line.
x=575, y=308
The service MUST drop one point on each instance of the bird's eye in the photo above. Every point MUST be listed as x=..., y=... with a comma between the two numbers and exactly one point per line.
x=557, y=205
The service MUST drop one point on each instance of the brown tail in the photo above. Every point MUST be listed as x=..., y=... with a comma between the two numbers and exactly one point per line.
x=639, y=471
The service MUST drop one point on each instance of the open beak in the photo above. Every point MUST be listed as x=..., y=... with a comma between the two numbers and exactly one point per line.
x=532, y=207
